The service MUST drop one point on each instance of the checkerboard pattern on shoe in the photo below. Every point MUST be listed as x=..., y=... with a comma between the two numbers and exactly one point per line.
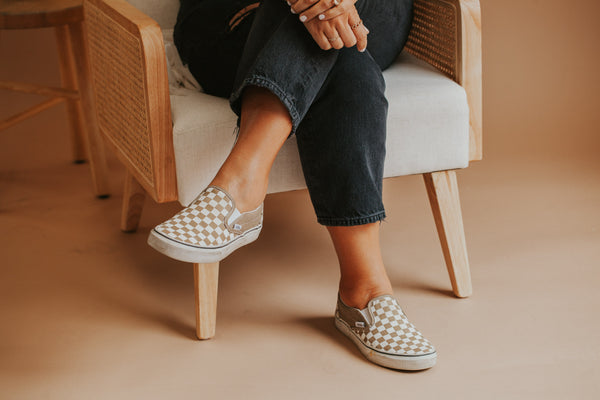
x=202, y=224
x=383, y=327
x=392, y=332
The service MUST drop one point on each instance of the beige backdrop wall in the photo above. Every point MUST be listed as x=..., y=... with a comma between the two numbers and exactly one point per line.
x=540, y=75
x=541, y=80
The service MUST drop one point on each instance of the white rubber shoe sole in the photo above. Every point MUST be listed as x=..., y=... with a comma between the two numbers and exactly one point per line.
x=409, y=363
x=200, y=255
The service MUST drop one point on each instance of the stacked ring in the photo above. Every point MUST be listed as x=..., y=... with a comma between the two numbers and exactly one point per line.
x=356, y=25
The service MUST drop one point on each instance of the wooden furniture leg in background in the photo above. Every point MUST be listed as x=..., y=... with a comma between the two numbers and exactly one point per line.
x=442, y=189
x=134, y=196
x=206, y=280
x=68, y=76
x=30, y=112
x=66, y=17
x=94, y=144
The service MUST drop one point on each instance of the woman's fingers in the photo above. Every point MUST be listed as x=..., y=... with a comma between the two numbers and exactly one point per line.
x=331, y=13
x=335, y=11
x=346, y=34
x=359, y=29
x=361, y=32
x=334, y=38
x=291, y=3
x=322, y=6
x=299, y=6
x=345, y=31
x=317, y=32
x=337, y=43
x=340, y=34
x=322, y=41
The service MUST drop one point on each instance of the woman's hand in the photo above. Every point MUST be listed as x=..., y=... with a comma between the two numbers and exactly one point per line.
x=324, y=9
x=345, y=30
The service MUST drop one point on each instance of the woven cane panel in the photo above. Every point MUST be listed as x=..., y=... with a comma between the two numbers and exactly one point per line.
x=434, y=35
x=118, y=73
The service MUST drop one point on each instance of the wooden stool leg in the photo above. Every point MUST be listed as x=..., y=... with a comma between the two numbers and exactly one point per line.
x=442, y=189
x=133, y=203
x=68, y=76
x=206, y=279
x=94, y=144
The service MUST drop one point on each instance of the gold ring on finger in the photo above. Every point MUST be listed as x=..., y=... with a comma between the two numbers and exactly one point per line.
x=356, y=25
x=333, y=39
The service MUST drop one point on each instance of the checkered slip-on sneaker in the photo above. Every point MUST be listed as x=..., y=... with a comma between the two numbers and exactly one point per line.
x=208, y=230
x=384, y=335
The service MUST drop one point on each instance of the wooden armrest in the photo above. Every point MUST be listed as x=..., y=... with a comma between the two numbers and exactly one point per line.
x=129, y=71
x=447, y=34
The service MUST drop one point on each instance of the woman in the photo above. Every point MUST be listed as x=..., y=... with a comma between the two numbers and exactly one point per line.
x=303, y=68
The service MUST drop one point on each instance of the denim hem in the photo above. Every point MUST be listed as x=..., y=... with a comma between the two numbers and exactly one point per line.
x=261, y=81
x=327, y=221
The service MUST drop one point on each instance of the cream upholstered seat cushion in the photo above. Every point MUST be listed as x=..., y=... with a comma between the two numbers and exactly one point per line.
x=428, y=123
x=428, y=130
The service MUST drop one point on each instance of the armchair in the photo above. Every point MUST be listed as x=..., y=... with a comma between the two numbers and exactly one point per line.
x=434, y=122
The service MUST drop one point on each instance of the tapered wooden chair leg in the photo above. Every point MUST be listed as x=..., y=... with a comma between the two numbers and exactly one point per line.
x=133, y=204
x=94, y=143
x=68, y=76
x=442, y=189
x=206, y=279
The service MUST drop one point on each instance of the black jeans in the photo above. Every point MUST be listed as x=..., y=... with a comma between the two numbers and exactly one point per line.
x=335, y=98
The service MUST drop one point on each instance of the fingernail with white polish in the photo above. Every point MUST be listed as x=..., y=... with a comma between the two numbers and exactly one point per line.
x=303, y=18
x=362, y=50
x=321, y=17
x=289, y=4
x=293, y=12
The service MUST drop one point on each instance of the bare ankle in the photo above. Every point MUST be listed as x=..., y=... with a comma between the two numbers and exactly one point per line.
x=358, y=296
x=247, y=194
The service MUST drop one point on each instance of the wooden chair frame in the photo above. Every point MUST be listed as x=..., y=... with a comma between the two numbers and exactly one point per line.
x=129, y=69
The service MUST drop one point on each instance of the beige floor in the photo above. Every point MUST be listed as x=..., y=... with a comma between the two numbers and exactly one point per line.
x=88, y=312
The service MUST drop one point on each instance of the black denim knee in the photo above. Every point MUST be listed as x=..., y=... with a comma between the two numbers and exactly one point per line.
x=341, y=142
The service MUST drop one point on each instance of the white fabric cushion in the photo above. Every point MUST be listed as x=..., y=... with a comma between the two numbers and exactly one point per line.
x=428, y=130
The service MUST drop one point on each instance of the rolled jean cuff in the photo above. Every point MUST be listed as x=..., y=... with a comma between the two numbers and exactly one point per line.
x=235, y=100
x=328, y=221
